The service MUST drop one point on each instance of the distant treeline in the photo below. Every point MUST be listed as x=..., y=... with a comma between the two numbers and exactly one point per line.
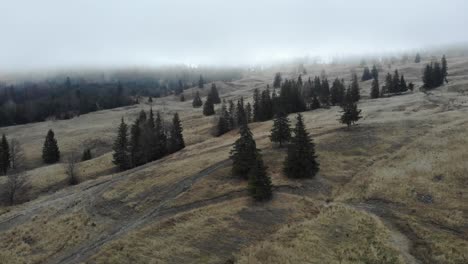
x=63, y=97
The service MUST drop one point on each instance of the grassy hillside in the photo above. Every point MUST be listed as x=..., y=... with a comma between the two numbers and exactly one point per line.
x=393, y=189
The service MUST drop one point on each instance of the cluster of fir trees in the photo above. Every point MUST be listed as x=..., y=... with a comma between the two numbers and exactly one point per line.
x=319, y=92
x=370, y=74
x=435, y=74
x=149, y=140
x=5, y=157
x=232, y=116
x=300, y=162
x=395, y=84
x=211, y=100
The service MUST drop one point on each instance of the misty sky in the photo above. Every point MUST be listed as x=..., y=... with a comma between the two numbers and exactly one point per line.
x=69, y=33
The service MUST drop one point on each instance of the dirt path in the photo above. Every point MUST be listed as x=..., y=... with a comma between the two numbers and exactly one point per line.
x=86, y=250
x=399, y=240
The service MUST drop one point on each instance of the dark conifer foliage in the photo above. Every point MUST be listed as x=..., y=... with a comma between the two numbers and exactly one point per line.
x=182, y=97
x=256, y=106
x=266, y=106
x=201, y=82
x=121, y=153
x=337, y=92
x=281, y=130
x=301, y=160
x=375, y=89
x=366, y=75
x=214, y=94
x=197, y=101
x=325, y=92
x=417, y=59
x=350, y=112
x=87, y=155
x=176, y=139
x=137, y=154
x=277, y=81
x=355, y=92
x=395, y=83
x=375, y=72
x=240, y=114
x=435, y=74
x=248, y=112
x=315, y=104
x=160, y=147
x=223, y=121
x=50, y=150
x=244, y=153
x=259, y=186
x=444, y=68
x=208, y=107
x=4, y=156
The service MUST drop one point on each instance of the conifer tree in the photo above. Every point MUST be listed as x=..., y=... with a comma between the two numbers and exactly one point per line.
x=325, y=92
x=244, y=153
x=266, y=106
x=417, y=59
x=214, y=94
x=259, y=186
x=444, y=69
x=256, y=106
x=281, y=131
x=232, y=115
x=160, y=147
x=86, y=155
x=50, y=150
x=403, y=86
x=240, y=115
x=388, y=87
x=201, y=82
x=5, y=158
x=315, y=103
x=428, y=77
x=375, y=90
x=137, y=155
x=350, y=113
x=208, y=107
x=182, y=97
x=355, y=93
x=301, y=160
x=121, y=155
x=277, y=81
x=375, y=72
x=396, y=87
x=411, y=86
x=366, y=75
x=223, y=121
x=337, y=92
x=176, y=141
x=248, y=112
x=197, y=101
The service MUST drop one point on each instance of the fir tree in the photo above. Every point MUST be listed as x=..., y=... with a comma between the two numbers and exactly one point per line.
x=50, y=150
x=160, y=146
x=315, y=103
x=366, y=75
x=208, y=107
x=375, y=72
x=176, y=141
x=232, y=115
x=121, y=153
x=417, y=59
x=277, y=81
x=325, y=92
x=248, y=112
x=137, y=155
x=444, y=69
x=350, y=113
x=337, y=92
x=301, y=161
x=86, y=155
x=241, y=117
x=223, y=121
x=5, y=158
x=375, y=90
x=259, y=186
x=428, y=77
x=197, y=101
x=201, y=82
x=355, y=93
x=403, y=86
x=182, y=97
x=411, y=86
x=396, y=87
x=214, y=94
x=266, y=106
x=256, y=106
x=244, y=153
x=281, y=131
x=388, y=87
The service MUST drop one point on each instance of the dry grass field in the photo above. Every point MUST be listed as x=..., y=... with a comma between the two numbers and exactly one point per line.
x=393, y=189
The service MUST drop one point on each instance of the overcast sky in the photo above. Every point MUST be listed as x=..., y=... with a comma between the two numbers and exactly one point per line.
x=69, y=33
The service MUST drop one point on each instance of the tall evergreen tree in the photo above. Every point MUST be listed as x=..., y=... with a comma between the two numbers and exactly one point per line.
x=375, y=90
x=241, y=117
x=244, y=153
x=444, y=68
x=256, y=106
x=403, y=86
x=201, y=82
x=214, y=94
x=281, y=131
x=182, y=97
x=259, y=186
x=223, y=121
x=176, y=141
x=86, y=155
x=208, y=107
x=375, y=72
x=197, y=101
x=232, y=115
x=337, y=92
x=266, y=106
x=301, y=160
x=325, y=92
x=366, y=75
x=248, y=112
x=396, y=87
x=350, y=113
x=121, y=153
x=5, y=158
x=355, y=93
x=137, y=155
x=417, y=59
x=388, y=87
x=160, y=147
x=277, y=81
x=50, y=150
